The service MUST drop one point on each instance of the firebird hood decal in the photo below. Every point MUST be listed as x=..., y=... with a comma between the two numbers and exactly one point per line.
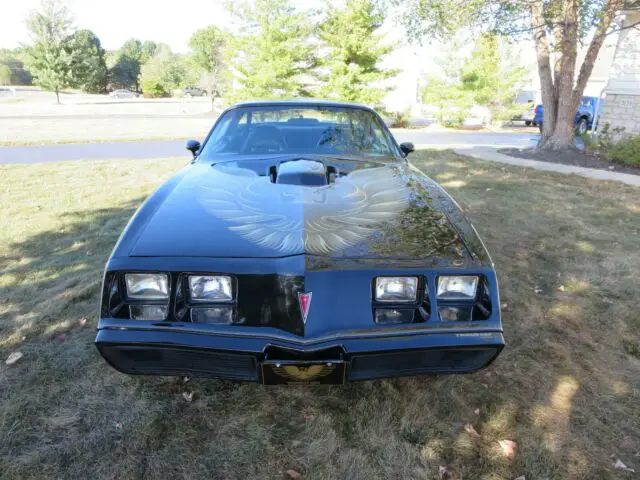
x=325, y=219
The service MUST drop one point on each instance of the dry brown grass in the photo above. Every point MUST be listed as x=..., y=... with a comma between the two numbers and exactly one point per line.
x=566, y=388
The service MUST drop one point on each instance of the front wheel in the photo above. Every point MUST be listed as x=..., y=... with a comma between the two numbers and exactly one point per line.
x=527, y=123
x=583, y=126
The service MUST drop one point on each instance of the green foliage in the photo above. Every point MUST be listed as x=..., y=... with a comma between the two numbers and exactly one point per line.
x=488, y=75
x=153, y=89
x=207, y=57
x=147, y=51
x=165, y=69
x=355, y=52
x=271, y=53
x=126, y=69
x=626, y=150
x=14, y=60
x=400, y=119
x=5, y=74
x=88, y=67
x=47, y=58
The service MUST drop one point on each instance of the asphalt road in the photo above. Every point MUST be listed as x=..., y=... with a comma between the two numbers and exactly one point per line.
x=175, y=148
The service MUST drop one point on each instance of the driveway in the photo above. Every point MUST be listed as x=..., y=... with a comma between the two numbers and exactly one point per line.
x=174, y=148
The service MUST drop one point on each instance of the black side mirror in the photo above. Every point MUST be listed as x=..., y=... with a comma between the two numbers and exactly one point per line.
x=407, y=148
x=193, y=146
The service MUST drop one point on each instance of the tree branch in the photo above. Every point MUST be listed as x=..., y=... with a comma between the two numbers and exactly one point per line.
x=608, y=14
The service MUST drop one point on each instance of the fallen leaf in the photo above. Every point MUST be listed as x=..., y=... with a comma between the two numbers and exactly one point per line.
x=521, y=477
x=296, y=443
x=188, y=396
x=485, y=385
x=504, y=306
x=443, y=472
x=185, y=379
x=89, y=253
x=119, y=425
x=622, y=466
x=293, y=474
x=23, y=338
x=537, y=290
x=508, y=447
x=477, y=411
x=471, y=431
x=561, y=288
x=489, y=189
x=13, y=358
x=83, y=321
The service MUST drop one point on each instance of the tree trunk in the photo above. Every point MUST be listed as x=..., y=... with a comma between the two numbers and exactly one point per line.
x=57, y=97
x=562, y=92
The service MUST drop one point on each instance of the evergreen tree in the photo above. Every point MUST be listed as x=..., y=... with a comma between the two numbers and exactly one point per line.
x=272, y=52
x=355, y=50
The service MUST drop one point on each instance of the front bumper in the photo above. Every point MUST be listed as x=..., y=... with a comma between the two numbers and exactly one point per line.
x=243, y=358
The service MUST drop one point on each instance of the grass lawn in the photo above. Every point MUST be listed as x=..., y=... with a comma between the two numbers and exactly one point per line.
x=566, y=389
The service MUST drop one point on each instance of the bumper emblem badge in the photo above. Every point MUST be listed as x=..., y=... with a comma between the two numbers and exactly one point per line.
x=304, y=300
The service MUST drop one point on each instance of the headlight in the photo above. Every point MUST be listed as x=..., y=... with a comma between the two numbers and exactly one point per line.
x=147, y=286
x=208, y=288
x=396, y=289
x=457, y=288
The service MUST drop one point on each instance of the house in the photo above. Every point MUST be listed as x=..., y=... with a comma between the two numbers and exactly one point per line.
x=621, y=107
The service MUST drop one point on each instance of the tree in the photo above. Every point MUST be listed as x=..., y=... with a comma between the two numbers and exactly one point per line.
x=272, y=53
x=444, y=88
x=125, y=71
x=558, y=28
x=47, y=58
x=13, y=59
x=5, y=74
x=355, y=53
x=164, y=72
x=207, y=56
x=88, y=67
x=147, y=51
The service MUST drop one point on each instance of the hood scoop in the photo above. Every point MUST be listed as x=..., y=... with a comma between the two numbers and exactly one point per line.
x=311, y=173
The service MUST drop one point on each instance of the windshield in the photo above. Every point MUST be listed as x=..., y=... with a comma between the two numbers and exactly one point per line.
x=272, y=129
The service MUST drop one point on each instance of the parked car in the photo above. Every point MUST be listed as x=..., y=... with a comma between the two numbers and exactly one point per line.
x=299, y=246
x=123, y=93
x=584, y=116
x=194, y=92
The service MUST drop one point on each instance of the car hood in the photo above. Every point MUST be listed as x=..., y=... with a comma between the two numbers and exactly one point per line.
x=370, y=211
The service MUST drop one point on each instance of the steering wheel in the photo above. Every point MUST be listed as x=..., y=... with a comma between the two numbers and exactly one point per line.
x=264, y=139
x=333, y=139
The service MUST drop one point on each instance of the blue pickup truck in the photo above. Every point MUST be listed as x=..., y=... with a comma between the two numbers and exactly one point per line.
x=585, y=115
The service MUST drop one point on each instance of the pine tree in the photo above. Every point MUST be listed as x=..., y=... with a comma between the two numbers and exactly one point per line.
x=272, y=52
x=351, y=70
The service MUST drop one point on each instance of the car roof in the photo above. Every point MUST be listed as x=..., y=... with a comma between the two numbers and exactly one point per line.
x=301, y=102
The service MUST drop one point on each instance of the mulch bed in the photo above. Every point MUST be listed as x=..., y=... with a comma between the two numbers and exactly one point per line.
x=571, y=157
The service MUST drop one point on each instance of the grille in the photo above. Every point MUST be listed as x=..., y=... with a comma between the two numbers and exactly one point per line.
x=177, y=361
x=422, y=362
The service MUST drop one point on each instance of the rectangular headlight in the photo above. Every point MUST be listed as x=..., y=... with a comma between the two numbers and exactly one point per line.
x=210, y=288
x=396, y=289
x=457, y=288
x=147, y=286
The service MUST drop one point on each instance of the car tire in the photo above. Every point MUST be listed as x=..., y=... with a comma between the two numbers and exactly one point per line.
x=583, y=126
x=527, y=123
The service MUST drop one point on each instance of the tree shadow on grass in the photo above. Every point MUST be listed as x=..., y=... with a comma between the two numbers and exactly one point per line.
x=53, y=270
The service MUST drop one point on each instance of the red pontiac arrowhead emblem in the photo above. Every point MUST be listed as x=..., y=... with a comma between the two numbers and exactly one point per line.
x=304, y=299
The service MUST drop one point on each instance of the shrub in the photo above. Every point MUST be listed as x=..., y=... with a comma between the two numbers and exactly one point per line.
x=153, y=89
x=400, y=119
x=626, y=150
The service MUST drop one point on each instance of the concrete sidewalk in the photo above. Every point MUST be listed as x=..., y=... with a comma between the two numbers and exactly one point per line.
x=486, y=153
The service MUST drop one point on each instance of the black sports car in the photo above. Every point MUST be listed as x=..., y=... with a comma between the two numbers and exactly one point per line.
x=299, y=246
